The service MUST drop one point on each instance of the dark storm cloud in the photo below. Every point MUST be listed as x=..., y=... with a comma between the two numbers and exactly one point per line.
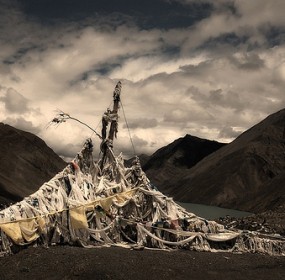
x=228, y=99
x=220, y=98
x=18, y=54
x=145, y=13
x=224, y=43
x=101, y=69
x=274, y=34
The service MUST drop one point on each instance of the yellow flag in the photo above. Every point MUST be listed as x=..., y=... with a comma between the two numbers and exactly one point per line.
x=13, y=230
x=29, y=230
x=78, y=217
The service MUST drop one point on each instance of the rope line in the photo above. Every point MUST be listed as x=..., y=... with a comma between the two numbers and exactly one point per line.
x=129, y=131
x=96, y=201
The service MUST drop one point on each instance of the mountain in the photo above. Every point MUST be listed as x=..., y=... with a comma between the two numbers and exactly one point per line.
x=26, y=163
x=166, y=166
x=247, y=174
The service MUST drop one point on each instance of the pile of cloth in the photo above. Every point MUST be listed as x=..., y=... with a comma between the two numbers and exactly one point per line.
x=92, y=204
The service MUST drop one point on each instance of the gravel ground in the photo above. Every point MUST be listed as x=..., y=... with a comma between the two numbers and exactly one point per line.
x=65, y=262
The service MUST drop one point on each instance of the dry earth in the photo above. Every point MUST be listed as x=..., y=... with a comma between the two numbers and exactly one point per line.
x=64, y=262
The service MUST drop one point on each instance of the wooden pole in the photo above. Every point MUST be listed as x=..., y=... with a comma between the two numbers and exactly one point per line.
x=108, y=143
x=114, y=123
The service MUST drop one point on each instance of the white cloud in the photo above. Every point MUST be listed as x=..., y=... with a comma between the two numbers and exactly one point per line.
x=228, y=132
x=14, y=101
x=252, y=19
x=174, y=81
x=23, y=124
x=140, y=68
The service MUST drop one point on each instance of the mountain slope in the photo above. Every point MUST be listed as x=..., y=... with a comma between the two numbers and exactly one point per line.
x=247, y=174
x=168, y=164
x=26, y=163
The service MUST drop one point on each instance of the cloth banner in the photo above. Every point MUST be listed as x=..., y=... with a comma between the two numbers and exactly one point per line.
x=78, y=217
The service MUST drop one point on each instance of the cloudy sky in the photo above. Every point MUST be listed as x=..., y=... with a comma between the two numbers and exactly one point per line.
x=207, y=68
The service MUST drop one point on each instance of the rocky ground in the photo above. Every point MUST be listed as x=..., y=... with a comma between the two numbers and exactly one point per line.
x=64, y=262
x=271, y=221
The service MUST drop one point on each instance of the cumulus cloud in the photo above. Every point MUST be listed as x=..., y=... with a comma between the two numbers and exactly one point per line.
x=132, y=146
x=22, y=124
x=239, y=18
x=141, y=123
x=247, y=61
x=213, y=71
x=14, y=101
x=228, y=132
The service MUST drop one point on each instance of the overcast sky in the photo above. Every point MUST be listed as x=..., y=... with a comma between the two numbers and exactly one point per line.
x=211, y=69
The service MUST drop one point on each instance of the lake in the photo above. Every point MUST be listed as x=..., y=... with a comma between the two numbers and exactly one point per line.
x=212, y=212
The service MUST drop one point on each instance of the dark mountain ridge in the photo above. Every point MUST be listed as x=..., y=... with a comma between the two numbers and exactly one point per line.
x=246, y=174
x=184, y=152
x=26, y=163
x=168, y=163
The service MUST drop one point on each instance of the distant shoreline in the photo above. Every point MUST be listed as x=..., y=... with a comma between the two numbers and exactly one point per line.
x=212, y=212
